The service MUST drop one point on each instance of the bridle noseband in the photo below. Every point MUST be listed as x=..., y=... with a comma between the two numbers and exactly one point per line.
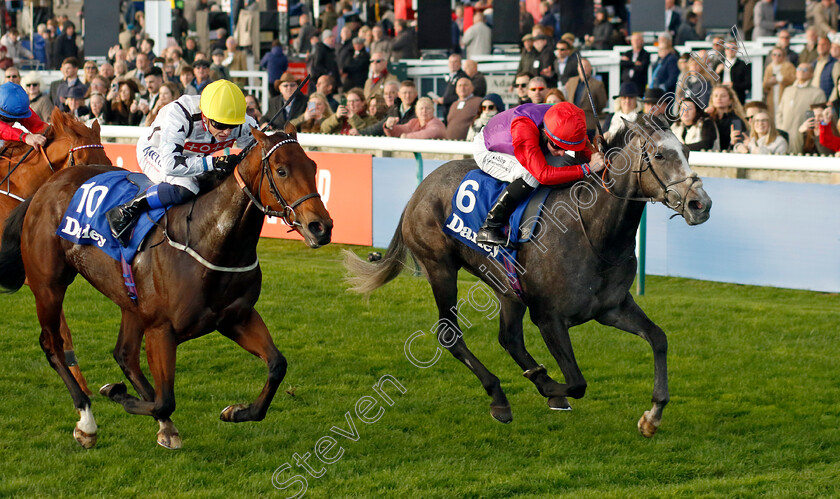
x=676, y=203
x=288, y=215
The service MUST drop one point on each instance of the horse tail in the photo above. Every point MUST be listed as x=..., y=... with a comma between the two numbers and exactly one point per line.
x=365, y=277
x=12, y=273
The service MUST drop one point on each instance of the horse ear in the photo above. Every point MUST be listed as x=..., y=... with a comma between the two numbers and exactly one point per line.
x=258, y=134
x=57, y=118
x=626, y=123
x=290, y=130
x=96, y=129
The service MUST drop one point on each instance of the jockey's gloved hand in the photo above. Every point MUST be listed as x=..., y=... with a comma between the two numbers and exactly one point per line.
x=226, y=164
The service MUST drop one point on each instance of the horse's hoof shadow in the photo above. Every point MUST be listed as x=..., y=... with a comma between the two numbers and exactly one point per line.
x=559, y=404
x=501, y=414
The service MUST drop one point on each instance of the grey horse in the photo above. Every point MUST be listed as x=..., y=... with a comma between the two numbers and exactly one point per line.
x=579, y=266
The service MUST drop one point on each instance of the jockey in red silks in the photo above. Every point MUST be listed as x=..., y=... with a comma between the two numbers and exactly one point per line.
x=14, y=107
x=513, y=148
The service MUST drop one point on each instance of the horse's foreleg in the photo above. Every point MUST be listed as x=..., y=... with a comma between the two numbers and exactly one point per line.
x=48, y=305
x=629, y=317
x=443, y=279
x=512, y=340
x=70, y=355
x=252, y=334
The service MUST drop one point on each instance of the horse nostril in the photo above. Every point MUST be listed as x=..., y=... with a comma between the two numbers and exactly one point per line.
x=316, y=228
x=695, y=205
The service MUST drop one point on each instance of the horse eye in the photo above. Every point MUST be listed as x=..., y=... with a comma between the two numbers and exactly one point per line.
x=658, y=156
x=282, y=173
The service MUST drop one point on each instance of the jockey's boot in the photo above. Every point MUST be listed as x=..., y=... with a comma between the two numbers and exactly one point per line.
x=122, y=218
x=491, y=232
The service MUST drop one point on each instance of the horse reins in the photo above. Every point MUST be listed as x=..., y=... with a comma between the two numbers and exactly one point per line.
x=288, y=215
x=8, y=176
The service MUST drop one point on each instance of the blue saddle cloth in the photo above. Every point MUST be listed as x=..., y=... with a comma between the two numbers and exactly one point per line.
x=472, y=201
x=84, y=221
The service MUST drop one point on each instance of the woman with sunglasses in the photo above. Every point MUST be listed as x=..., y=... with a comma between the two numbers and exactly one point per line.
x=490, y=106
x=515, y=147
x=184, y=136
x=14, y=108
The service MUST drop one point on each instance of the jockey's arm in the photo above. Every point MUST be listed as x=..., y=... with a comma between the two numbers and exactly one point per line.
x=32, y=123
x=169, y=156
x=526, y=148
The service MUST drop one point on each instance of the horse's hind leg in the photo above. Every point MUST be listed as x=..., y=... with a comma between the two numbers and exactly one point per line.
x=252, y=334
x=555, y=333
x=512, y=340
x=443, y=279
x=629, y=317
x=161, y=346
x=70, y=355
x=127, y=355
x=48, y=305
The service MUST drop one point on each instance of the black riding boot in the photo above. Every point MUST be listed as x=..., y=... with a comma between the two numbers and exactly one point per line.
x=492, y=230
x=122, y=218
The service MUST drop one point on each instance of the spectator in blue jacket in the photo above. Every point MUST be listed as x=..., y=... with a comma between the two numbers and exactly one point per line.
x=665, y=71
x=276, y=63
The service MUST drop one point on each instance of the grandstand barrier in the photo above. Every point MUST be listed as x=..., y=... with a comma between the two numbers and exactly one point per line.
x=765, y=233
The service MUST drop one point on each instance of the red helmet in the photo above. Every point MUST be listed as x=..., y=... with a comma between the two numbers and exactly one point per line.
x=565, y=125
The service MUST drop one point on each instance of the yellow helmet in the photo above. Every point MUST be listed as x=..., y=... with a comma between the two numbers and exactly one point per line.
x=224, y=102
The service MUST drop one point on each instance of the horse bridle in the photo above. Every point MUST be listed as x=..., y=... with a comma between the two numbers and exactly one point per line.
x=288, y=215
x=665, y=198
x=8, y=176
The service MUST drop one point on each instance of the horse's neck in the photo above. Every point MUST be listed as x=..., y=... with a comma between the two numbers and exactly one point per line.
x=615, y=221
x=29, y=174
x=225, y=223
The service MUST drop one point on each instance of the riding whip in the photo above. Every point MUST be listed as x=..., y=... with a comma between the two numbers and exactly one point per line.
x=289, y=103
x=288, y=106
x=589, y=92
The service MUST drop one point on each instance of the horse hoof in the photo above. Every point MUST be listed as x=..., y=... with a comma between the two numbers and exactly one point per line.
x=86, y=440
x=169, y=440
x=647, y=427
x=113, y=389
x=559, y=404
x=501, y=414
x=229, y=413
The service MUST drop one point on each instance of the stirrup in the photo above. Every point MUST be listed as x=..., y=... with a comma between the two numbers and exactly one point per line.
x=124, y=236
x=493, y=237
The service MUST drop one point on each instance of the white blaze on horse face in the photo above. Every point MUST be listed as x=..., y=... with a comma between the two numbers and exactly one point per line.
x=669, y=141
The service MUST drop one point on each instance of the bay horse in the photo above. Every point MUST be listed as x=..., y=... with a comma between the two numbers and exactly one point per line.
x=23, y=169
x=206, y=278
x=579, y=266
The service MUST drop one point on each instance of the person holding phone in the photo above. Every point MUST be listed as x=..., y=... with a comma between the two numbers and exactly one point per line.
x=728, y=114
x=317, y=110
x=764, y=139
x=351, y=114
x=828, y=135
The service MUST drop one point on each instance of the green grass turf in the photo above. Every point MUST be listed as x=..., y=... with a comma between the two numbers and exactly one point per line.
x=753, y=376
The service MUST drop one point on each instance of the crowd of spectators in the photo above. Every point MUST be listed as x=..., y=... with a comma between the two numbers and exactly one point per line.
x=706, y=94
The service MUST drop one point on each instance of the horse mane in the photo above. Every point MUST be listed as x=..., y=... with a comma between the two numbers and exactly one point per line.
x=650, y=124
